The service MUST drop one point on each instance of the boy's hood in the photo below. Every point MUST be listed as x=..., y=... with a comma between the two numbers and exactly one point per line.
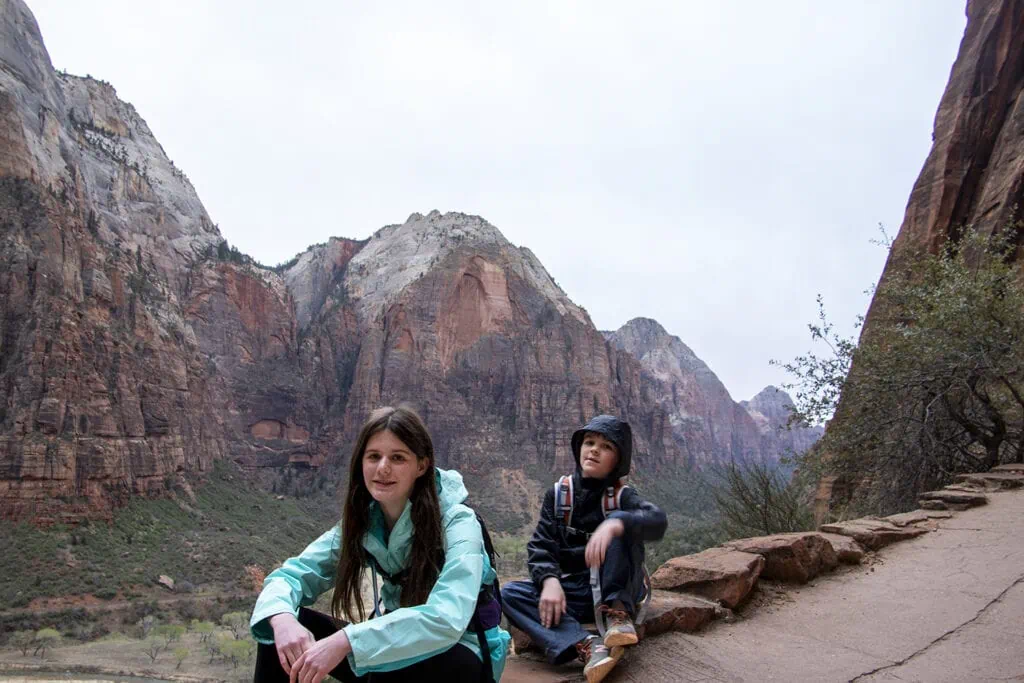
x=615, y=430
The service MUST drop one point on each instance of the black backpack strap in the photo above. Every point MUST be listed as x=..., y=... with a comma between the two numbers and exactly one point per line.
x=487, y=671
x=396, y=579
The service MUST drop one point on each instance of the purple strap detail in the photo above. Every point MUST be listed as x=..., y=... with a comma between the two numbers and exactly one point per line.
x=489, y=613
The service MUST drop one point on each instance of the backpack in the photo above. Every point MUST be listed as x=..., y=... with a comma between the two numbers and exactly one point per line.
x=611, y=501
x=487, y=613
x=564, y=499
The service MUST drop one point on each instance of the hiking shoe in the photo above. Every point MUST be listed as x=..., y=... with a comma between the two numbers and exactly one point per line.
x=619, y=629
x=598, y=660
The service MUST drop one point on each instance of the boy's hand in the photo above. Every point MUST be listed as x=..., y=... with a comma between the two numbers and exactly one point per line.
x=552, y=602
x=599, y=541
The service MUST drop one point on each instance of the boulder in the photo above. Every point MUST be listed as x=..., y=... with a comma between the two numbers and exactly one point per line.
x=965, y=486
x=166, y=581
x=939, y=506
x=847, y=549
x=905, y=518
x=797, y=557
x=993, y=480
x=873, y=533
x=968, y=498
x=520, y=641
x=720, y=574
x=670, y=611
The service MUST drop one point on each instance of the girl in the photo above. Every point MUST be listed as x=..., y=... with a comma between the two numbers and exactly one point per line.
x=407, y=518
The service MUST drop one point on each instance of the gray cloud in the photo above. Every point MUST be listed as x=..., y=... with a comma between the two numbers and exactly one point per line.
x=710, y=165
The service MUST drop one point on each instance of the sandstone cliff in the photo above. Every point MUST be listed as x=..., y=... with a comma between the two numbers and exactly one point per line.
x=105, y=391
x=974, y=174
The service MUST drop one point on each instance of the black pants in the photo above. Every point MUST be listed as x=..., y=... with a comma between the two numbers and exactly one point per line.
x=622, y=579
x=457, y=664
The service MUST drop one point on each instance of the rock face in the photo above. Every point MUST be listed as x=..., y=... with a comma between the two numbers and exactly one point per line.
x=974, y=174
x=106, y=393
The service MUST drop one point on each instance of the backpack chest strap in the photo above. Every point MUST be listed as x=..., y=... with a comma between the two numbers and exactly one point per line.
x=611, y=500
x=564, y=495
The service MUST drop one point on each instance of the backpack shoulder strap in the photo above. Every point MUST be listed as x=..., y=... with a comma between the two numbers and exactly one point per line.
x=564, y=498
x=612, y=498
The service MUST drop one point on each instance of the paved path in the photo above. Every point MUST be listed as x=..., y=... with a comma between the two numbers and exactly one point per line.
x=948, y=606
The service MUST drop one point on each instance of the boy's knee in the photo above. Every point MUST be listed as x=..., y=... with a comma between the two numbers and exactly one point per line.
x=517, y=591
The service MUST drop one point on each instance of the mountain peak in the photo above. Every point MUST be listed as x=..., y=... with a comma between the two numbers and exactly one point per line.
x=647, y=325
x=21, y=45
x=435, y=231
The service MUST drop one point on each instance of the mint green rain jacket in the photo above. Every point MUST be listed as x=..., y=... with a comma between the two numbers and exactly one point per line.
x=406, y=635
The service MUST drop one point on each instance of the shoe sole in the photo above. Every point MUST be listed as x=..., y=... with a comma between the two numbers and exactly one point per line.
x=598, y=672
x=620, y=639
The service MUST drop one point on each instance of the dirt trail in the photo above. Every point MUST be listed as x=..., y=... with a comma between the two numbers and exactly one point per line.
x=948, y=606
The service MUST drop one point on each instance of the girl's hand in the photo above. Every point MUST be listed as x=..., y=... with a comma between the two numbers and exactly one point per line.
x=599, y=541
x=320, y=659
x=552, y=602
x=290, y=638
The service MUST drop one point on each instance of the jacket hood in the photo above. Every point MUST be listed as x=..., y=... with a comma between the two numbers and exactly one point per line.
x=615, y=430
x=450, y=489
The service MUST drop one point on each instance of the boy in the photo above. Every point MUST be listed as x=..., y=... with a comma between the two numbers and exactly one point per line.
x=592, y=521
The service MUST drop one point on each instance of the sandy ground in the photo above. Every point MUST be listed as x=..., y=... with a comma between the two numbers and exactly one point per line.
x=948, y=606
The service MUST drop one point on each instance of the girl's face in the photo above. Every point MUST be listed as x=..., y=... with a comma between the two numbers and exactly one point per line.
x=390, y=470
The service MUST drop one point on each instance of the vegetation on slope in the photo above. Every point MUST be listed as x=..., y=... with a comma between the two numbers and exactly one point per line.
x=206, y=542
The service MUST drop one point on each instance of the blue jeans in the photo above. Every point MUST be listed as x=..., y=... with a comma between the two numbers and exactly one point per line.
x=622, y=579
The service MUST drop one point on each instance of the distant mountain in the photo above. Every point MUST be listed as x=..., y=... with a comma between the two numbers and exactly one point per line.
x=771, y=409
x=706, y=423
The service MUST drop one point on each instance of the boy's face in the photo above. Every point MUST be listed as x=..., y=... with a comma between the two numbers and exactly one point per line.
x=598, y=456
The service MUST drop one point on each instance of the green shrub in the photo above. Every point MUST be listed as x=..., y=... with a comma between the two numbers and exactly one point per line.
x=45, y=639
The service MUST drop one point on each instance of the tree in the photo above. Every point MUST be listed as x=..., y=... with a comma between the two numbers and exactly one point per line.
x=204, y=629
x=169, y=632
x=180, y=655
x=236, y=622
x=153, y=647
x=936, y=386
x=45, y=639
x=23, y=640
x=237, y=651
x=754, y=499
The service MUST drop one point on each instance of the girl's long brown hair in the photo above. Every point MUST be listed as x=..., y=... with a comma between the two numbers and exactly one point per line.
x=427, y=554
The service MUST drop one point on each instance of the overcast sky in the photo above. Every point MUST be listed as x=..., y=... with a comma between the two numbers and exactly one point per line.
x=712, y=165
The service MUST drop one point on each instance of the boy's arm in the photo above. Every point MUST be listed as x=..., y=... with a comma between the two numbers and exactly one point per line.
x=542, y=550
x=642, y=519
